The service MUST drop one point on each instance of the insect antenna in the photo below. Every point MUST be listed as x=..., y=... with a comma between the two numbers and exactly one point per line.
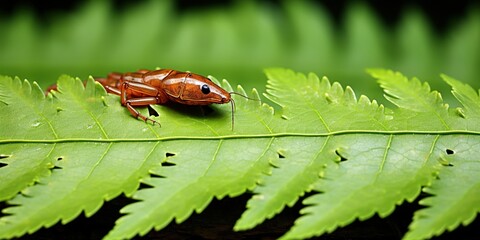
x=241, y=95
x=233, y=105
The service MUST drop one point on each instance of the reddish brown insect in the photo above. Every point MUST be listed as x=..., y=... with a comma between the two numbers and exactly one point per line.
x=146, y=87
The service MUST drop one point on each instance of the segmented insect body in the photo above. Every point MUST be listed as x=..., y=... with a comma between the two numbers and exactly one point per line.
x=146, y=87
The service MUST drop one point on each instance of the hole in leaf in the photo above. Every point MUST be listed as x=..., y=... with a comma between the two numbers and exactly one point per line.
x=4, y=205
x=3, y=165
x=144, y=186
x=59, y=158
x=168, y=164
x=169, y=154
x=4, y=156
x=152, y=112
x=449, y=151
x=57, y=167
x=154, y=175
x=280, y=153
x=338, y=153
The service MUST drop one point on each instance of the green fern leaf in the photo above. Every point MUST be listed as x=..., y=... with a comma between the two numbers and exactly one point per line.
x=419, y=108
x=68, y=152
x=455, y=196
x=85, y=174
x=19, y=99
x=467, y=97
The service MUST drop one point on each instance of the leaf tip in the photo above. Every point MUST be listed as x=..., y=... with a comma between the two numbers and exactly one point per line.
x=226, y=85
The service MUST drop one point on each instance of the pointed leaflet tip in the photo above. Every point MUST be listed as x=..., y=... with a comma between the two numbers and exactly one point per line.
x=465, y=94
x=349, y=95
x=37, y=91
x=226, y=85
x=411, y=95
x=67, y=83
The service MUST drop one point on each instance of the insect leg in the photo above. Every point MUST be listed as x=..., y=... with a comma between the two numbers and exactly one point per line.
x=130, y=90
x=139, y=94
x=113, y=90
x=142, y=101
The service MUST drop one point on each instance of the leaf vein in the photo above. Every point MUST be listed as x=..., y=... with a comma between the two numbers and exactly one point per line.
x=430, y=152
x=320, y=117
x=214, y=158
x=97, y=122
x=385, y=156
x=97, y=163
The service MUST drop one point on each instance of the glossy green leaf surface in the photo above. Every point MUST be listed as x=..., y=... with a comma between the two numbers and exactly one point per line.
x=68, y=152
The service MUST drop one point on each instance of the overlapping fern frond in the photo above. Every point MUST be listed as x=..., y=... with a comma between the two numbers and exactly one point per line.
x=237, y=40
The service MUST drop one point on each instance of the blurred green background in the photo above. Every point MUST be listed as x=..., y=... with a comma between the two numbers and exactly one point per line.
x=236, y=40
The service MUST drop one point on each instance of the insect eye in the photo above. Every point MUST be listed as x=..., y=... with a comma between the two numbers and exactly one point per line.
x=205, y=89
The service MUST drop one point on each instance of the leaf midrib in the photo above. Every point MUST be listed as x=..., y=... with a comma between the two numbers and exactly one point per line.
x=245, y=136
